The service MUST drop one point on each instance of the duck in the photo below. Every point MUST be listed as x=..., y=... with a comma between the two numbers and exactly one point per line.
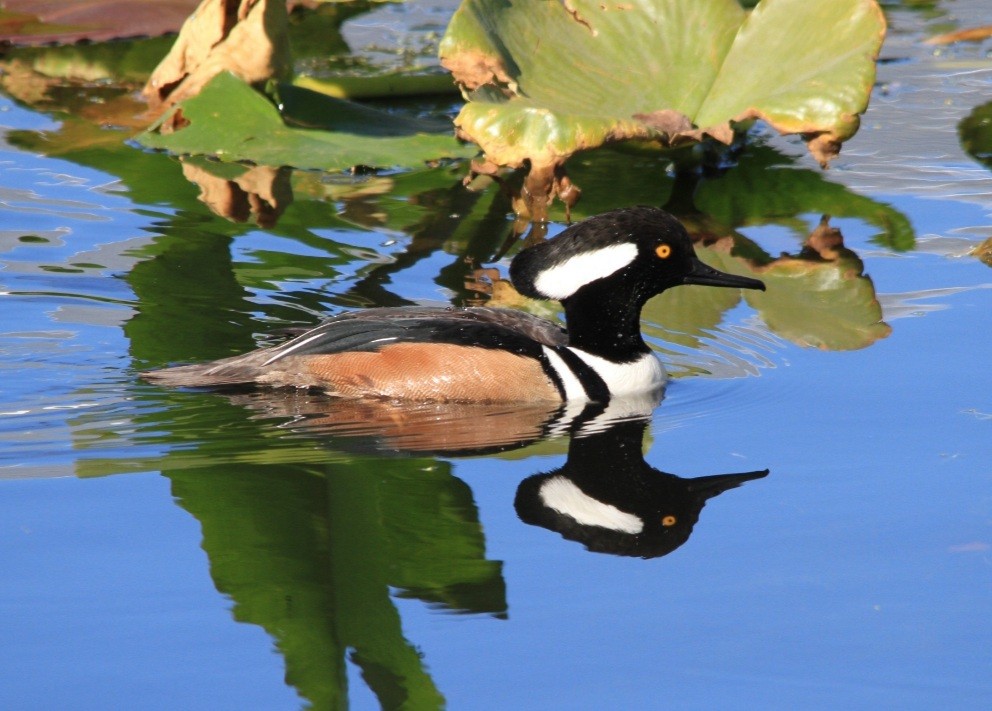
x=607, y=497
x=602, y=270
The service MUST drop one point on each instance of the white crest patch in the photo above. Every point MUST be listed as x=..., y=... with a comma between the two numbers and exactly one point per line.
x=565, y=497
x=561, y=281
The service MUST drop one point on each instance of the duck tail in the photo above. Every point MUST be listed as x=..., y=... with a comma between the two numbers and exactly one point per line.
x=230, y=371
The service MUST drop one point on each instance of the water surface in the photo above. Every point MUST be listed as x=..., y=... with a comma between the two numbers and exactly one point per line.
x=197, y=550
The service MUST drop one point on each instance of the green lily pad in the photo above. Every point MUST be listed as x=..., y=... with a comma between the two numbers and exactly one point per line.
x=826, y=305
x=975, y=133
x=549, y=79
x=231, y=121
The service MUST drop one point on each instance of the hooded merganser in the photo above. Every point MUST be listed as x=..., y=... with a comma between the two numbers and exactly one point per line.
x=602, y=270
x=607, y=497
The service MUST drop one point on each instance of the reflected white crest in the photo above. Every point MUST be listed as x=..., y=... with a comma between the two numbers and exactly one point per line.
x=565, y=497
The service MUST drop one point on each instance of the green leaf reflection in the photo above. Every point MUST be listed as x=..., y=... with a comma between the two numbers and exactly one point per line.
x=312, y=544
x=819, y=297
x=311, y=553
x=765, y=186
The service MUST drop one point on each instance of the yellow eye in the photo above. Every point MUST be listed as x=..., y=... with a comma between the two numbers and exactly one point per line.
x=663, y=251
x=668, y=521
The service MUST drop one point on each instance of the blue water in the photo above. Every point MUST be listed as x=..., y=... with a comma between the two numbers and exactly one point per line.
x=178, y=550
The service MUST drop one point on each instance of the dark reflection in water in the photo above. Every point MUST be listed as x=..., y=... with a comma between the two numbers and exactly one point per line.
x=442, y=429
x=314, y=549
x=609, y=498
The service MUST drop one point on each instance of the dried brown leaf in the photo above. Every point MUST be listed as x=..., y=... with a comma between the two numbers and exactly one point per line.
x=245, y=37
x=824, y=147
x=971, y=34
x=475, y=69
x=61, y=22
x=667, y=121
x=984, y=251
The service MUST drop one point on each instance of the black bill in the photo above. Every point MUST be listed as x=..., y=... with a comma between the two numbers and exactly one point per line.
x=708, y=276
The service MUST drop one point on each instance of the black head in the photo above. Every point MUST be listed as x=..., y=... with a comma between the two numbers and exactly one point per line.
x=610, y=499
x=643, y=248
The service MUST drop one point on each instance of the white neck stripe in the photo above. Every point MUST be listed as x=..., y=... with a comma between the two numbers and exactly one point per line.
x=561, y=281
x=572, y=386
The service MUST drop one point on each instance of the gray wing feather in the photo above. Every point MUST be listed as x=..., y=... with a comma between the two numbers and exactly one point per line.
x=360, y=330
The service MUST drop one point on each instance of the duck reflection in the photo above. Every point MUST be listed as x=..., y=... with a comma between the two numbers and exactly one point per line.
x=454, y=429
x=607, y=497
x=312, y=533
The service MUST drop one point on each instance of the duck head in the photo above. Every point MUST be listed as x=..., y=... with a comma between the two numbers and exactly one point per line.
x=605, y=268
x=639, y=250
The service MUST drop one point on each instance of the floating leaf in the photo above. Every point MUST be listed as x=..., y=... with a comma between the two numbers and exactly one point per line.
x=392, y=84
x=819, y=297
x=38, y=22
x=549, y=79
x=825, y=305
x=975, y=133
x=249, y=38
x=231, y=121
x=984, y=251
x=970, y=34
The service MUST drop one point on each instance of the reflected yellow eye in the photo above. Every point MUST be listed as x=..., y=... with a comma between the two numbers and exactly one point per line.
x=668, y=521
x=663, y=251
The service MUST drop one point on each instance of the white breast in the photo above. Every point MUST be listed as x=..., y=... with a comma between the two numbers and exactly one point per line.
x=645, y=374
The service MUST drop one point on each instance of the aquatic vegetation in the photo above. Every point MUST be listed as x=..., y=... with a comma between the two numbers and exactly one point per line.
x=975, y=133
x=227, y=119
x=256, y=549
x=546, y=81
x=542, y=83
